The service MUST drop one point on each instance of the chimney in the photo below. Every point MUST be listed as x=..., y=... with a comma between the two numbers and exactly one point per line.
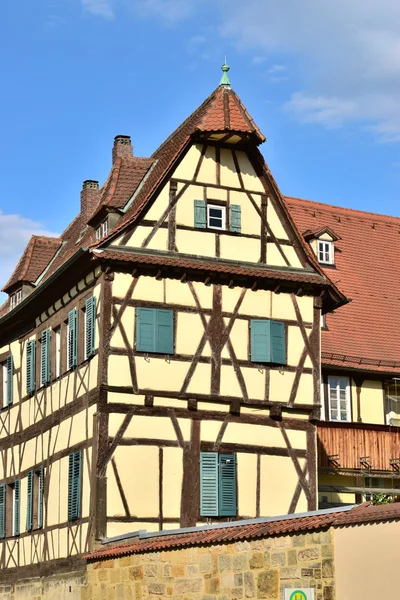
x=90, y=196
x=122, y=147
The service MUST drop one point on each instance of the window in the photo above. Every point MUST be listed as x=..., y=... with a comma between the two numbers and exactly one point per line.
x=30, y=366
x=2, y=510
x=10, y=519
x=325, y=252
x=45, y=358
x=392, y=402
x=102, y=230
x=209, y=215
x=90, y=327
x=339, y=398
x=72, y=339
x=57, y=335
x=16, y=491
x=15, y=299
x=217, y=485
x=74, y=485
x=154, y=330
x=7, y=372
x=34, y=507
x=267, y=341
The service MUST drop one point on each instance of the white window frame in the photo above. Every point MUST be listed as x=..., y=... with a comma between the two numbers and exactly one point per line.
x=12, y=301
x=57, y=336
x=13, y=510
x=104, y=228
x=347, y=399
x=223, y=216
x=98, y=233
x=325, y=247
x=4, y=402
x=18, y=295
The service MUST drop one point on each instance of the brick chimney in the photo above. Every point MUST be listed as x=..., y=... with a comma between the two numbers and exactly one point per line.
x=90, y=196
x=122, y=147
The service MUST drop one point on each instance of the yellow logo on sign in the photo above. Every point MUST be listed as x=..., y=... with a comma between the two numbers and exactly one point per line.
x=298, y=595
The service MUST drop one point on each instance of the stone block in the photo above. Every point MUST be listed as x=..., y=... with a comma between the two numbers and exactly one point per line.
x=192, y=569
x=136, y=573
x=292, y=558
x=249, y=586
x=236, y=593
x=212, y=585
x=125, y=561
x=317, y=573
x=327, y=550
x=268, y=585
x=188, y=586
x=177, y=571
x=238, y=579
x=150, y=570
x=308, y=554
x=205, y=563
x=278, y=559
x=327, y=567
x=329, y=593
x=256, y=560
x=228, y=580
x=267, y=558
x=157, y=589
x=102, y=575
x=283, y=542
x=290, y=573
x=298, y=541
x=269, y=543
x=239, y=562
x=306, y=573
x=225, y=562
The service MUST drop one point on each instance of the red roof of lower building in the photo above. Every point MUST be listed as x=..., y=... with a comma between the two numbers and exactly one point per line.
x=363, y=334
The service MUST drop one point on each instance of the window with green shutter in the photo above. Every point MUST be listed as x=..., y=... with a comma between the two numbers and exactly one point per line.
x=155, y=330
x=74, y=485
x=72, y=339
x=10, y=377
x=2, y=510
x=235, y=218
x=16, y=507
x=30, y=366
x=45, y=357
x=40, y=480
x=267, y=341
x=90, y=326
x=200, y=214
x=29, y=502
x=34, y=505
x=218, y=483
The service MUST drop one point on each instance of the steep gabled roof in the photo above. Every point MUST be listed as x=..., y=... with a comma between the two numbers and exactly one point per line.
x=37, y=255
x=365, y=333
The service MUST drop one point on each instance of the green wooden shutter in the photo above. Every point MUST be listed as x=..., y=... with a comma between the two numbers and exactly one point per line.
x=200, y=216
x=278, y=343
x=74, y=485
x=227, y=485
x=30, y=366
x=10, y=373
x=90, y=326
x=2, y=510
x=209, y=484
x=29, y=504
x=45, y=357
x=40, y=497
x=235, y=218
x=165, y=331
x=145, y=329
x=259, y=340
x=17, y=489
x=72, y=338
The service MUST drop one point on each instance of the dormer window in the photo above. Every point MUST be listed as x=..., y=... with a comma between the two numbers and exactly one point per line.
x=102, y=230
x=15, y=299
x=325, y=252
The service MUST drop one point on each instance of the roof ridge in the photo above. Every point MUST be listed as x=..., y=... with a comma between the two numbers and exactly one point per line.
x=352, y=211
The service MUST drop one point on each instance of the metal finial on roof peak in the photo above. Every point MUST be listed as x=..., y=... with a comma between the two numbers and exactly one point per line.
x=225, y=79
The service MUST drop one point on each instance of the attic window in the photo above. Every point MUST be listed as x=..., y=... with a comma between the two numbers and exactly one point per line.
x=15, y=299
x=102, y=230
x=325, y=252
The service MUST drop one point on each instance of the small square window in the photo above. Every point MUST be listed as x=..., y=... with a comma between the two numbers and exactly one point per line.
x=216, y=216
x=325, y=252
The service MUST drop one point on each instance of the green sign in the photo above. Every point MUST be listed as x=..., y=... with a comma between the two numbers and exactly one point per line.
x=298, y=595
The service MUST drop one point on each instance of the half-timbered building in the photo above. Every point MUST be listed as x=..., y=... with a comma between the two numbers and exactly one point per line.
x=160, y=360
x=359, y=434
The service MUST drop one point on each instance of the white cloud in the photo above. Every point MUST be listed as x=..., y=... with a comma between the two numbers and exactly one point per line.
x=347, y=55
x=15, y=232
x=100, y=8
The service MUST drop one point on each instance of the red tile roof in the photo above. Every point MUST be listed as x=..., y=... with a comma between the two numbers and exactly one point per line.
x=363, y=334
x=364, y=513
x=37, y=255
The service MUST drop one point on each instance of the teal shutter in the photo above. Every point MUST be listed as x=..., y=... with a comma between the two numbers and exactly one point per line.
x=2, y=510
x=40, y=498
x=235, y=218
x=259, y=340
x=10, y=373
x=74, y=485
x=17, y=489
x=200, y=216
x=165, y=331
x=90, y=326
x=278, y=343
x=45, y=357
x=29, y=505
x=209, y=484
x=72, y=338
x=227, y=485
x=145, y=329
x=30, y=366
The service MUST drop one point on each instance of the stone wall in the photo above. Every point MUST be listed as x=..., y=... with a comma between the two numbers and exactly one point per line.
x=57, y=587
x=249, y=570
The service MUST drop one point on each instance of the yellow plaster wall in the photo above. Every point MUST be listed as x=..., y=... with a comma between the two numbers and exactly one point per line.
x=371, y=400
x=278, y=473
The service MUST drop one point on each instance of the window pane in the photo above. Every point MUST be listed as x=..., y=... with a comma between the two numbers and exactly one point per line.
x=215, y=222
x=216, y=212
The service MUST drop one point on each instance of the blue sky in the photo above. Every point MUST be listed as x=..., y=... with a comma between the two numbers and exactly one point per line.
x=321, y=80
